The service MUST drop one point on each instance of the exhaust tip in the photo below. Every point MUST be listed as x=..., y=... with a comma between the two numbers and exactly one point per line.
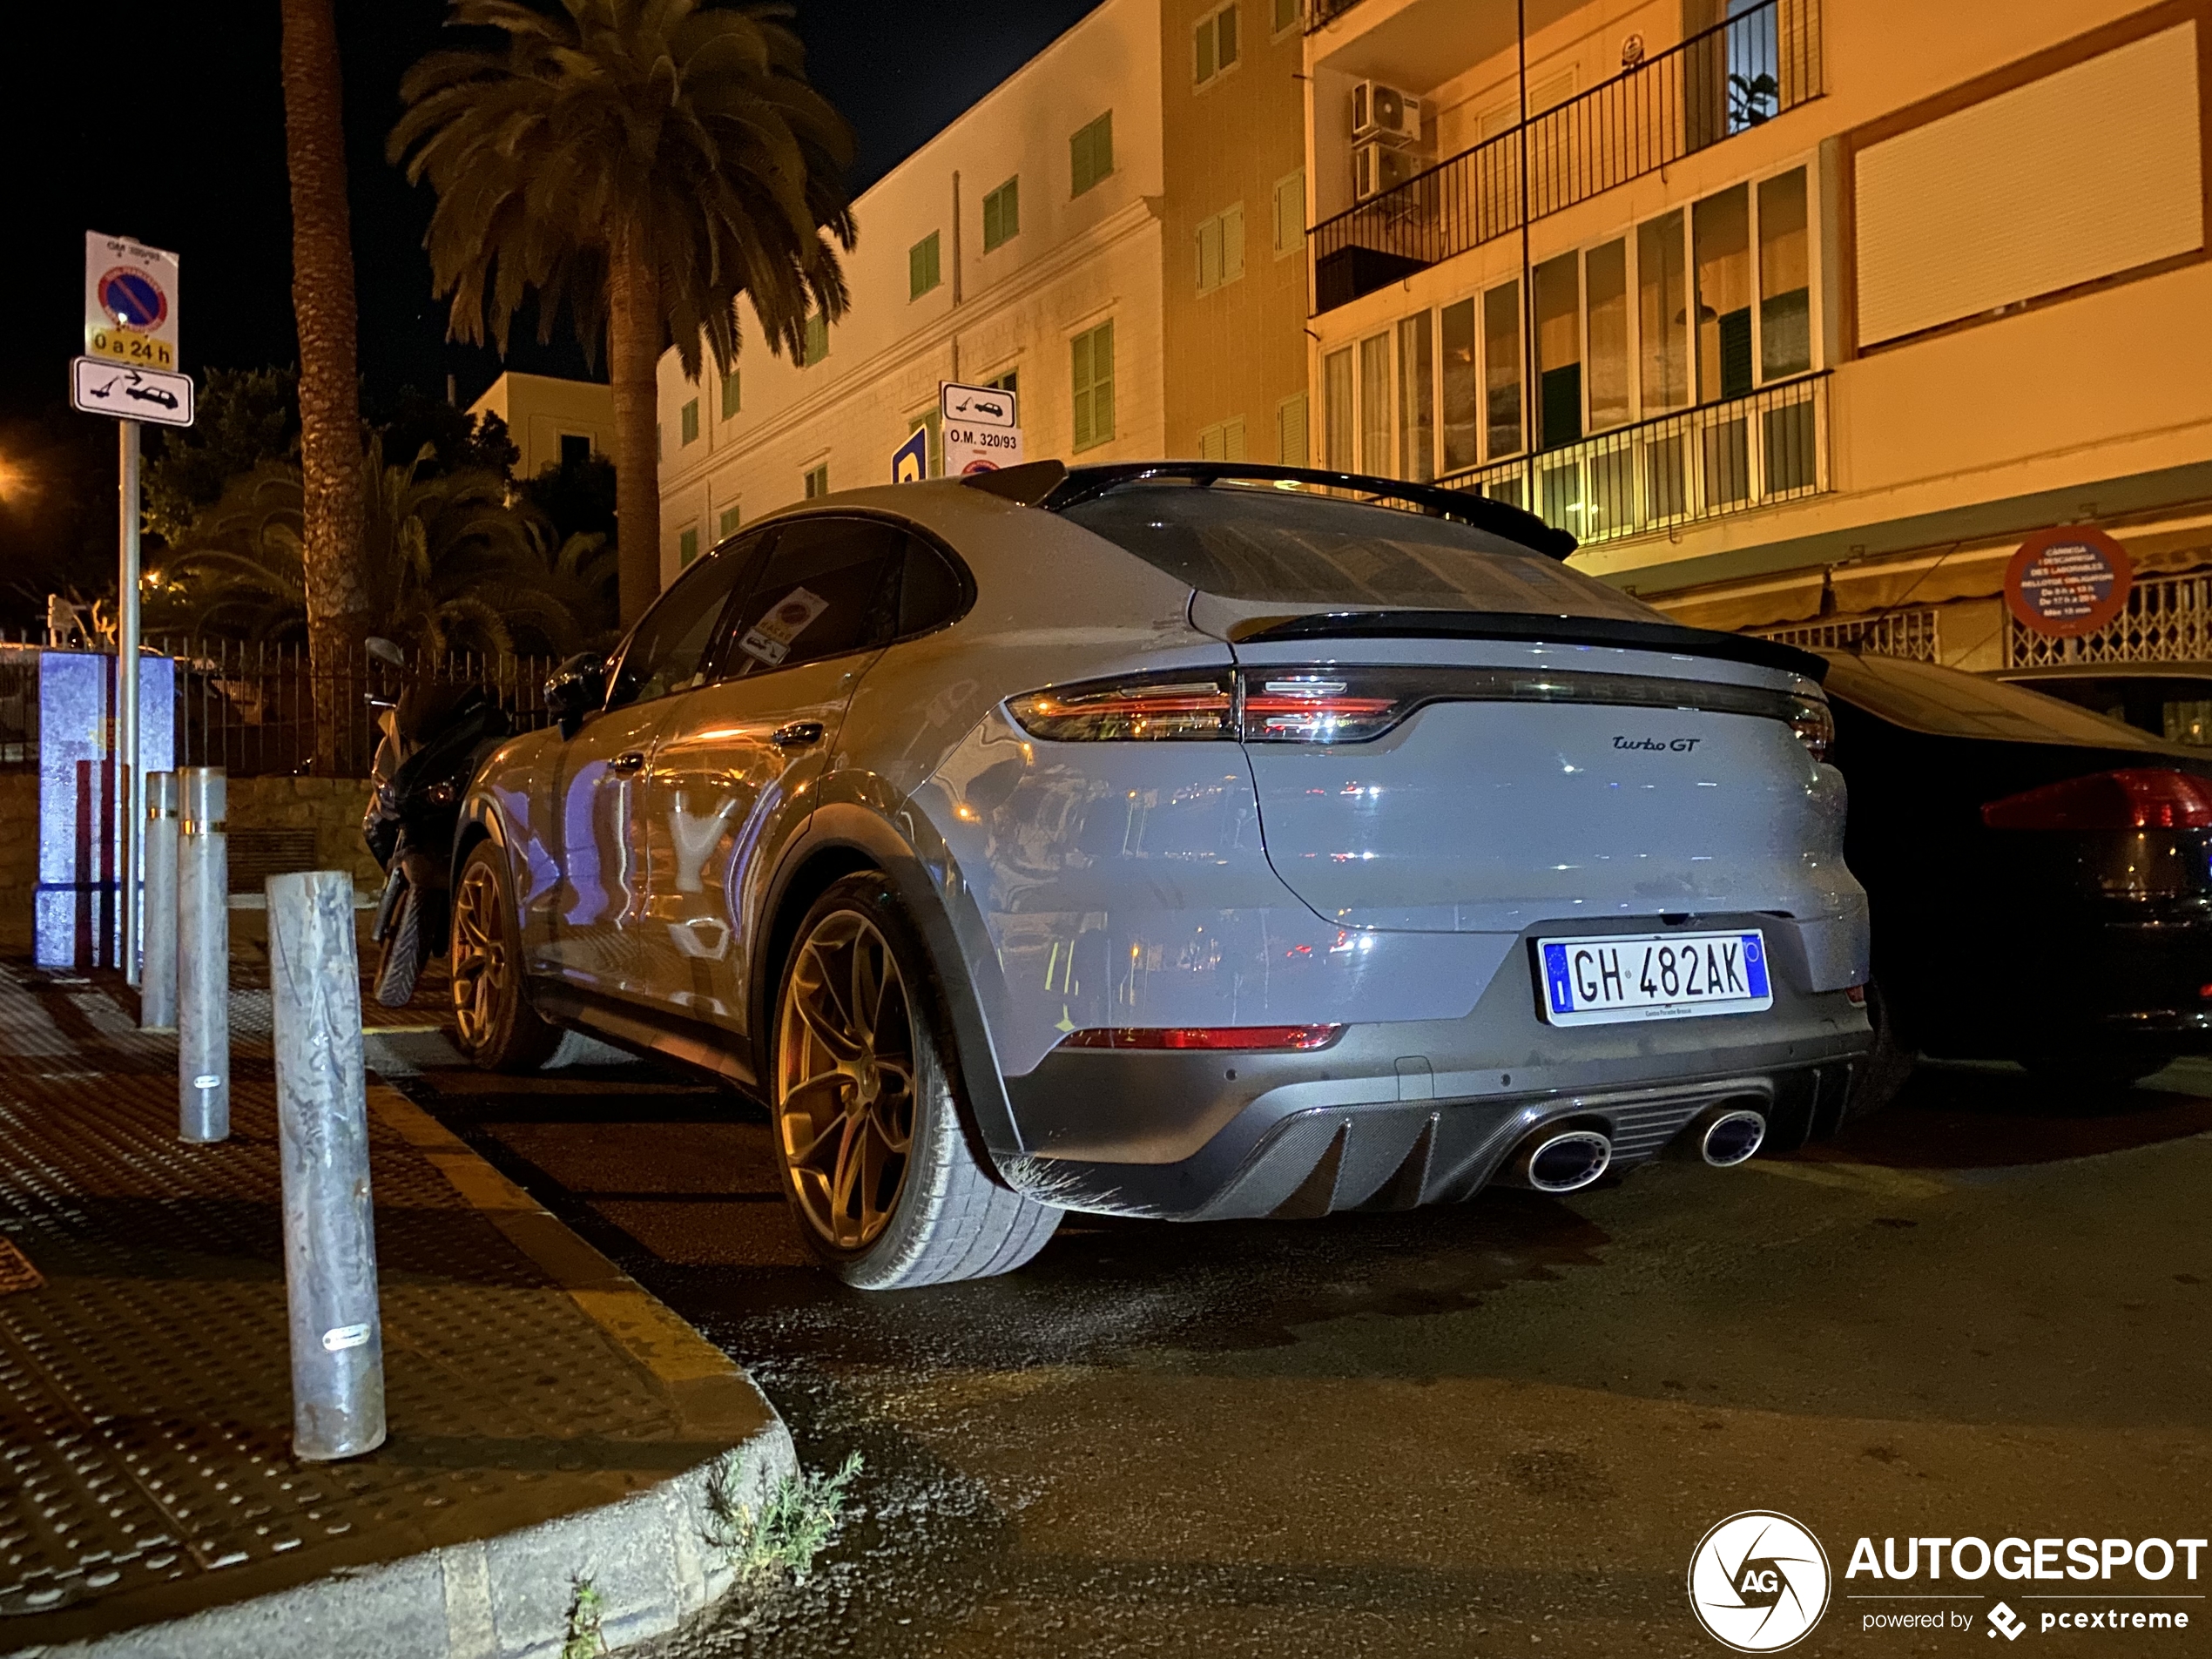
x=1561, y=1160
x=1725, y=1136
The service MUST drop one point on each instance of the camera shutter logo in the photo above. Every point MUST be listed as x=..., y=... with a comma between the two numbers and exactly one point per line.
x=1758, y=1582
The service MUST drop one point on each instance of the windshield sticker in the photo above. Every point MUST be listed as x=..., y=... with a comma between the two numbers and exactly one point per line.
x=769, y=640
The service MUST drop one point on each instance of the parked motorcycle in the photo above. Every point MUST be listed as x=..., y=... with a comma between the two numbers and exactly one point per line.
x=435, y=736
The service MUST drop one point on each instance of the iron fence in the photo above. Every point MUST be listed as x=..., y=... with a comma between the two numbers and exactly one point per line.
x=1719, y=82
x=2166, y=619
x=1697, y=463
x=1915, y=633
x=250, y=708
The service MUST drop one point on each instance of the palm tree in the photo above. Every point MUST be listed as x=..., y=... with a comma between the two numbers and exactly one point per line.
x=330, y=436
x=642, y=163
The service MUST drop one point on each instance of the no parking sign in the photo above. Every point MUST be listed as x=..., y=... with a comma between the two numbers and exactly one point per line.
x=2068, y=582
x=129, y=302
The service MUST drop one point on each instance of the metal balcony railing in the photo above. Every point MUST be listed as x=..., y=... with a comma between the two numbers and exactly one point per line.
x=1319, y=14
x=2168, y=619
x=1699, y=463
x=1720, y=81
x=1916, y=633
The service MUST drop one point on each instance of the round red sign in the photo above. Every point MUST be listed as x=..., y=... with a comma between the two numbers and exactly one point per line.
x=2068, y=582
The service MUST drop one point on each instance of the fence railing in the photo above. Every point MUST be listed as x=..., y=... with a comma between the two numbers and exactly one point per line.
x=251, y=708
x=1697, y=463
x=1319, y=14
x=1915, y=633
x=2166, y=619
x=1720, y=81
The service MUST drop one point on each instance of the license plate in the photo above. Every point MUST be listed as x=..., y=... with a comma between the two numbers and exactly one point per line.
x=1613, y=977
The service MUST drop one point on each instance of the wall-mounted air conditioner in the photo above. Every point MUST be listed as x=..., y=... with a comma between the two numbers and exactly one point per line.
x=1384, y=113
x=1378, y=165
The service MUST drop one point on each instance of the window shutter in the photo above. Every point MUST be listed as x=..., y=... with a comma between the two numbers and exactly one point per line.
x=1102, y=374
x=991, y=237
x=1202, y=52
x=1232, y=243
x=1079, y=375
x=1290, y=212
x=728, y=523
x=1209, y=255
x=687, y=546
x=733, y=395
x=1286, y=14
x=1232, y=438
x=688, y=419
x=1290, y=431
x=1210, y=444
x=1225, y=36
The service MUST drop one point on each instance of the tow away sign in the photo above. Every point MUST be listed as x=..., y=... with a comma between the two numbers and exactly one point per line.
x=129, y=302
x=982, y=428
x=102, y=386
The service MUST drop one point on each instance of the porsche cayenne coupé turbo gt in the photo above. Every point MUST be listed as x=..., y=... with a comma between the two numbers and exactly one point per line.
x=1176, y=841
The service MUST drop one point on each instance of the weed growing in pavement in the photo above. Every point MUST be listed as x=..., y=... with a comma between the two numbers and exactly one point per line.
x=782, y=1537
x=584, y=1640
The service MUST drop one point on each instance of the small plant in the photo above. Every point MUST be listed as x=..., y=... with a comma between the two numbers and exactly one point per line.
x=781, y=1539
x=584, y=1640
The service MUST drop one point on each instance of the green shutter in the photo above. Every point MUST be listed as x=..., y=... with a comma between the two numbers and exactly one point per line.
x=688, y=419
x=1092, y=371
x=732, y=398
x=1090, y=154
x=1202, y=52
x=922, y=267
x=1002, y=213
x=728, y=523
x=687, y=547
x=817, y=340
x=1225, y=36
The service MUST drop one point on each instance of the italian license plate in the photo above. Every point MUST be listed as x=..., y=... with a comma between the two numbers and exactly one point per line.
x=1613, y=977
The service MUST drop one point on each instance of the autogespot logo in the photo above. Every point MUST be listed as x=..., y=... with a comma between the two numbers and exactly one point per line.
x=1758, y=1582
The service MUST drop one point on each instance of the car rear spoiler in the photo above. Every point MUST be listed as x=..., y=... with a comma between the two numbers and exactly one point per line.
x=1670, y=637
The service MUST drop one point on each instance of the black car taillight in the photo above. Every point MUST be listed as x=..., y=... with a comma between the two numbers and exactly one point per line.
x=2137, y=799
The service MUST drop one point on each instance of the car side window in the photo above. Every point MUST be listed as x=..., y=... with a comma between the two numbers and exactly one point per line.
x=826, y=588
x=668, y=652
x=931, y=592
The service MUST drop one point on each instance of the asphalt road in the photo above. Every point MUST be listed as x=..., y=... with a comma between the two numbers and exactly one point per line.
x=1499, y=1428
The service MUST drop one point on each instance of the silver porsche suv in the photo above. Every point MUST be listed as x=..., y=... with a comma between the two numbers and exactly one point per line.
x=1180, y=840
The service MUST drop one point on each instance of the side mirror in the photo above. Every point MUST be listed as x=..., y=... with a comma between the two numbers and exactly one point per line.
x=578, y=688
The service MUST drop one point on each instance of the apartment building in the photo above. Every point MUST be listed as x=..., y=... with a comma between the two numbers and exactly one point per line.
x=1801, y=315
x=551, y=420
x=1115, y=232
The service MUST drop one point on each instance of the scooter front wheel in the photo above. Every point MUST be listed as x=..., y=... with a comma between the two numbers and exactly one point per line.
x=399, y=963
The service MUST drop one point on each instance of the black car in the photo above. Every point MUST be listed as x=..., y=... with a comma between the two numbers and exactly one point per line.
x=2171, y=700
x=2040, y=876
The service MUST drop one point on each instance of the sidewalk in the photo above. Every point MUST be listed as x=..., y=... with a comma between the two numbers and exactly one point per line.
x=146, y=1467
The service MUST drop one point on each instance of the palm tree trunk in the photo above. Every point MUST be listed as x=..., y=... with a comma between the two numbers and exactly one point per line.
x=633, y=351
x=330, y=430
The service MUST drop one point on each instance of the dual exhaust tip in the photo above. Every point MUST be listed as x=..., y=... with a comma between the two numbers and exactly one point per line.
x=1567, y=1157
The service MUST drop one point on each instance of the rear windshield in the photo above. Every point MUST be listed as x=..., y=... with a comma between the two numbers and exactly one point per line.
x=1946, y=703
x=1285, y=547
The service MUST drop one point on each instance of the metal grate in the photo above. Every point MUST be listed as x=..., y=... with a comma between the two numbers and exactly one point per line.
x=257, y=854
x=2169, y=619
x=1718, y=82
x=1914, y=633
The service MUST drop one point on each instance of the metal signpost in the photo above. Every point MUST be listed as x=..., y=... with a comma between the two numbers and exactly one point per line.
x=129, y=371
x=982, y=428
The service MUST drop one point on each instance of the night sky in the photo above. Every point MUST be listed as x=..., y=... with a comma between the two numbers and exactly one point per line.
x=163, y=119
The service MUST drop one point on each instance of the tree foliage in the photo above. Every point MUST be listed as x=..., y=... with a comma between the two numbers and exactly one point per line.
x=244, y=417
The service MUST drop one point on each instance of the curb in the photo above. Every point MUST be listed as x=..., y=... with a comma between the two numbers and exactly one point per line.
x=507, y=1596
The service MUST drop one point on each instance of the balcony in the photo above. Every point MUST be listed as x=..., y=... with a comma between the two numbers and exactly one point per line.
x=1723, y=81
x=1680, y=469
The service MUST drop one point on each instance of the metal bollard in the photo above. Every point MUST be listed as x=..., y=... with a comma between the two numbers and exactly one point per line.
x=203, y=957
x=322, y=1127
x=157, y=985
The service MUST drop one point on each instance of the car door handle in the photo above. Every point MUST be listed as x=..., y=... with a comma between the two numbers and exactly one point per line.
x=796, y=734
x=628, y=762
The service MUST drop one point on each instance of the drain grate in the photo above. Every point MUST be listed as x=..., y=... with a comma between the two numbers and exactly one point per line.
x=16, y=1272
x=256, y=854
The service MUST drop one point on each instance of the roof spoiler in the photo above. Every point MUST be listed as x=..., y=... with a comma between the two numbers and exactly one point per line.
x=1673, y=638
x=1026, y=485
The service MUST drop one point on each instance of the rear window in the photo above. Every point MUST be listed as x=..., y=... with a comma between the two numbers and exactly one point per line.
x=1946, y=703
x=1286, y=547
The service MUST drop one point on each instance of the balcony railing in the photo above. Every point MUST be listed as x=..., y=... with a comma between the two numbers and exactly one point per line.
x=1718, y=82
x=1916, y=633
x=1319, y=14
x=2168, y=619
x=1700, y=463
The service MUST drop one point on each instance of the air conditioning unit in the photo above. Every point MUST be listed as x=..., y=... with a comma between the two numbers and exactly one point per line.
x=1378, y=166
x=1384, y=113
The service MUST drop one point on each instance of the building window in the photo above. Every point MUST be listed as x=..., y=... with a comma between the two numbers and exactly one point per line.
x=1662, y=314
x=1092, y=355
x=1009, y=381
x=575, y=448
x=1290, y=213
x=733, y=395
x=726, y=526
x=1290, y=431
x=1785, y=277
x=1720, y=249
x=817, y=480
x=687, y=546
x=921, y=267
x=1605, y=288
x=1223, y=441
x=817, y=340
x=1213, y=45
x=1416, y=400
x=934, y=420
x=1335, y=408
x=1221, y=248
x=1374, y=406
x=687, y=422
x=1502, y=368
x=1557, y=287
x=1002, y=213
x=1090, y=154
x=1287, y=15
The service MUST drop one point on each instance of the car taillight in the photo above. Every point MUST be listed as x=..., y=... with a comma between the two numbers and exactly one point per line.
x=1211, y=1036
x=2109, y=801
x=1147, y=706
x=1315, y=708
x=1815, y=724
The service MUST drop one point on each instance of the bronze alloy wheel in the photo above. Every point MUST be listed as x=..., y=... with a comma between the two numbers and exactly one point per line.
x=844, y=1080
x=483, y=959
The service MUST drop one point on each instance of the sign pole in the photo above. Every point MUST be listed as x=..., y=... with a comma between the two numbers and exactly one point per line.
x=128, y=789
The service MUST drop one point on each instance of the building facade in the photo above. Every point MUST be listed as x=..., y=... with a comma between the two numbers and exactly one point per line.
x=1801, y=315
x=549, y=418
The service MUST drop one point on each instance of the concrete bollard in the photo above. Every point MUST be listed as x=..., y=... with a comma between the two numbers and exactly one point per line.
x=203, y=957
x=158, y=988
x=322, y=1127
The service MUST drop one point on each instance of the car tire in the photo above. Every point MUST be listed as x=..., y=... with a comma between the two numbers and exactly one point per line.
x=865, y=1102
x=1889, y=1064
x=399, y=962
x=494, y=1024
